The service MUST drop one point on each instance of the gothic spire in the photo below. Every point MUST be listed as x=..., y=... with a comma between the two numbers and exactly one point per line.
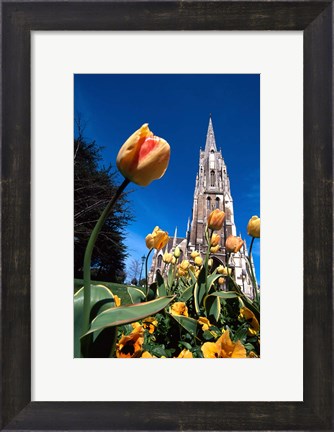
x=210, y=138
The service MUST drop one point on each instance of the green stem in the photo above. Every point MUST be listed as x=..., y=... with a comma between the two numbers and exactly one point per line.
x=208, y=236
x=89, y=251
x=254, y=283
x=146, y=281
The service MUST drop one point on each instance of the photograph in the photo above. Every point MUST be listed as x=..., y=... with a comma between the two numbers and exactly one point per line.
x=167, y=216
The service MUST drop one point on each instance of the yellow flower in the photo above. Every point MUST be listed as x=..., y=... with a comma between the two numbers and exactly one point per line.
x=150, y=323
x=117, y=300
x=198, y=261
x=225, y=271
x=177, y=252
x=216, y=219
x=184, y=264
x=146, y=354
x=143, y=157
x=185, y=354
x=215, y=239
x=179, y=308
x=248, y=315
x=223, y=348
x=194, y=254
x=233, y=243
x=210, y=262
x=221, y=280
x=157, y=240
x=215, y=249
x=167, y=258
x=253, y=227
x=181, y=271
x=130, y=346
x=204, y=322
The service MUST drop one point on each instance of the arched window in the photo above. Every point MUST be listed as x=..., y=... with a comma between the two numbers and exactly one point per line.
x=208, y=203
x=159, y=260
x=217, y=203
x=212, y=176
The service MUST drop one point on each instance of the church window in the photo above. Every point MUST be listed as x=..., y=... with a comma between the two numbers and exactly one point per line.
x=217, y=202
x=212, y=176
x=208, y=202
x=159, y=260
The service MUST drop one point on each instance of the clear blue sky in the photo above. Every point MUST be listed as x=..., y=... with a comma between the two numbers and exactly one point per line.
x=177, y=108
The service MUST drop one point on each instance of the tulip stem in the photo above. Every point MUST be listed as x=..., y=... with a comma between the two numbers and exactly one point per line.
x=255, y=290
x=89, y=251
x=146, y=281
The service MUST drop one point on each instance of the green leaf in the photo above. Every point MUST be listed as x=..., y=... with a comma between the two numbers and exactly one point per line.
x=170, y=277
x=162, y=292
x=212, y=306
x=200, y=290
x=212, y=278
x=98, y=293
x=187, y=294
x=136, y=294
x=225, y=294
x=193, y=277
x=189, y=324
x=128, y=314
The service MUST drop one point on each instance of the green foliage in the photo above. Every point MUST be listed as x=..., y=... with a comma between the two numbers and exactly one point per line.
x=93, y=186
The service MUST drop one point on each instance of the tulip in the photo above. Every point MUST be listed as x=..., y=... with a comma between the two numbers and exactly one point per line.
x=221, y=280
x=146, y=354
x=210, y=262
x=167, y=258
x=215, y=239
x=215, y=249
x=204, y=322
x=216, y=219
x=181, y=272
x=177, y=252
x=158, y=239
x=233, y=243
x=248, y=315
x=150, y=323
x=143, y=157
x=225, y=271
x=253, y=227
x=194, y=254
x=117, y=300
x=198, y=261
x=184, y=264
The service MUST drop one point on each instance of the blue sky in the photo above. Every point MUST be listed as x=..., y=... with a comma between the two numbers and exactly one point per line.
x=177, y=108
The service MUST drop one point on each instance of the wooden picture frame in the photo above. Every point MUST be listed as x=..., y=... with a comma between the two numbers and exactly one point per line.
x=315, y=19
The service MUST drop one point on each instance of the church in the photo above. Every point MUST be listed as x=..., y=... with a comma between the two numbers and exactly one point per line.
x=212, y=190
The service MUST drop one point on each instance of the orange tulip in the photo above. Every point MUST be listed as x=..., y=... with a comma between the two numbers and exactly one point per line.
x=253, y=227
x=216, y=219
x=233, y=243
x=157, y=240
x=143, y=157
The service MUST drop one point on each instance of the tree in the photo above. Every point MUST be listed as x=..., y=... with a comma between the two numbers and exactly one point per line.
x=134, y=270
x=94, y=185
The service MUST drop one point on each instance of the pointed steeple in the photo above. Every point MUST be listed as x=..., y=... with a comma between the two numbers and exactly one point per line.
x=210, y=138
x=174, y=239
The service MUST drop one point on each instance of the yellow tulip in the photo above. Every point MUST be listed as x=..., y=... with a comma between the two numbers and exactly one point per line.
x=157, y=240
x=233, y=243
x=253, y=227
x=215, y=239
x=143, y=157
x=198, y=261
x=225, y=271
x=194, y=254
x=216, y=219
x=146, y=354
x=179, y=308
x=184, y=264
x=221, y=280
x=215, y=249
x=167, y=258
x=177, y=252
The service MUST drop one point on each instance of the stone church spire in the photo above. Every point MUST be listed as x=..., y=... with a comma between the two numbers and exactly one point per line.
x=210, y=138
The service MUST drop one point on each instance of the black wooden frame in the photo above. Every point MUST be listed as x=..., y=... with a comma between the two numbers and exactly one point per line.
x=315, y=18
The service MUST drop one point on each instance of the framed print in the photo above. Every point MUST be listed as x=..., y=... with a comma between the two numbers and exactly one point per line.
x=19, y=411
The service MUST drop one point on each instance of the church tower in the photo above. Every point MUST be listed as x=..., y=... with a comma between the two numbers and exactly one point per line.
x=212, y=190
